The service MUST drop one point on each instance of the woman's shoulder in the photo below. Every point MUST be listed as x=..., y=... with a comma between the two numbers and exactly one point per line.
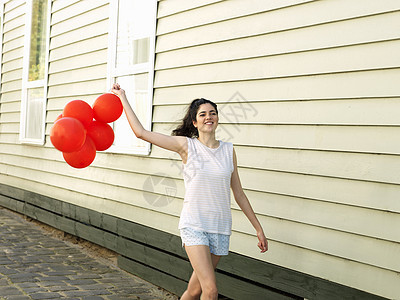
x=190, y=139
x=226, y=147
x=191, y=142
x=226, y=144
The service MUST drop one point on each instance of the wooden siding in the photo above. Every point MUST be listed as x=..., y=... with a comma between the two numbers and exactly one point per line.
x=11, y=77
x=313, y=100
x=307, y=91
x=77, y=70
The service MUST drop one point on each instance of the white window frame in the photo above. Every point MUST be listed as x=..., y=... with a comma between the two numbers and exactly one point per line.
x=148, y=67
x=26, y=84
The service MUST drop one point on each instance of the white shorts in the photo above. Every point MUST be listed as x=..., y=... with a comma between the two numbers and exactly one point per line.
x=218, y=243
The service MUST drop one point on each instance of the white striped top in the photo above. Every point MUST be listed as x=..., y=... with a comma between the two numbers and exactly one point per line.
x=207, y=176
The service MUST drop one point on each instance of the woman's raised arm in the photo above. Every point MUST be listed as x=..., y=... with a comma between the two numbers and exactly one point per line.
x=173, y=143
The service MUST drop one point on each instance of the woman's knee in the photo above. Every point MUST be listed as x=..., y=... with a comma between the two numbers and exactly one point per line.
x=210, y=291
x=194, y=291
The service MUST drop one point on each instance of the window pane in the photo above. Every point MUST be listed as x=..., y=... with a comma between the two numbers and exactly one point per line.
x=38, y=40
x=135, y=25
x=34, y=114
x=141, y=50
x=136, y=88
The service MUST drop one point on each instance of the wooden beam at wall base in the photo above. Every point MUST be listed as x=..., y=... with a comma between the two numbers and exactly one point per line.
x=158, y=256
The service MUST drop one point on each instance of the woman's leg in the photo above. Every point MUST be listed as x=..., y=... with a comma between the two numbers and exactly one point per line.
x=193, y=291
x=202, y=281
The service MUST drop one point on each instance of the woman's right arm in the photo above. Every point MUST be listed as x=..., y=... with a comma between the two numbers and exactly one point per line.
x=174, y=143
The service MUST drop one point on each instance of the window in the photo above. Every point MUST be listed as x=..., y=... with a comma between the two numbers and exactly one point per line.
x=131, y=64
x=34, y=80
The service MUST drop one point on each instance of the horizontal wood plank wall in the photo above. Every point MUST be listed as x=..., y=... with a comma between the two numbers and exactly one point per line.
x=114, y=183
x=11, y=79
x=309, y=99
x=307, y=93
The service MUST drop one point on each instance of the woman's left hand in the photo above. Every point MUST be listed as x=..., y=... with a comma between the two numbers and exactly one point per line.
x=116, y=89
x=262, y=242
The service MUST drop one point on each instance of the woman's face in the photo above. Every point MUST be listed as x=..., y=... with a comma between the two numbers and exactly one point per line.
x=206, y=118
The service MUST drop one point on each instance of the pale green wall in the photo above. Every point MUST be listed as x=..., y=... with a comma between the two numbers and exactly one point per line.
x=318, y=147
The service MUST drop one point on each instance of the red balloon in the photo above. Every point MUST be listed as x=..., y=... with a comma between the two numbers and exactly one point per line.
x=107, y=108
x=102, y=135
x=67, y=134
x=59, y=117
x=80, y=110
x=83, y=157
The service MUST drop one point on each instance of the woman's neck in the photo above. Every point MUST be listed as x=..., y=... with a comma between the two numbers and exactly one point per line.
x=208, y=140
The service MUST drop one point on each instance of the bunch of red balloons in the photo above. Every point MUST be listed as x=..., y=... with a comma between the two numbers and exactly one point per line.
x=78, y=136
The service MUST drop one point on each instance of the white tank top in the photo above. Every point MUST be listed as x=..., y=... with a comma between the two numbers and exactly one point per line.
x=207, y=176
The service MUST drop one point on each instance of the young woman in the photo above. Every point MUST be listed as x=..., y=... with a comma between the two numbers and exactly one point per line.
x=210, y=170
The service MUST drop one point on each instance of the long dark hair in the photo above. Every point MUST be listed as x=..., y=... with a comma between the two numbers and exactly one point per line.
x=186, y=128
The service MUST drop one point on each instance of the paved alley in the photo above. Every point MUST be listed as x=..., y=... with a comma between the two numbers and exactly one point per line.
x=34, y=264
